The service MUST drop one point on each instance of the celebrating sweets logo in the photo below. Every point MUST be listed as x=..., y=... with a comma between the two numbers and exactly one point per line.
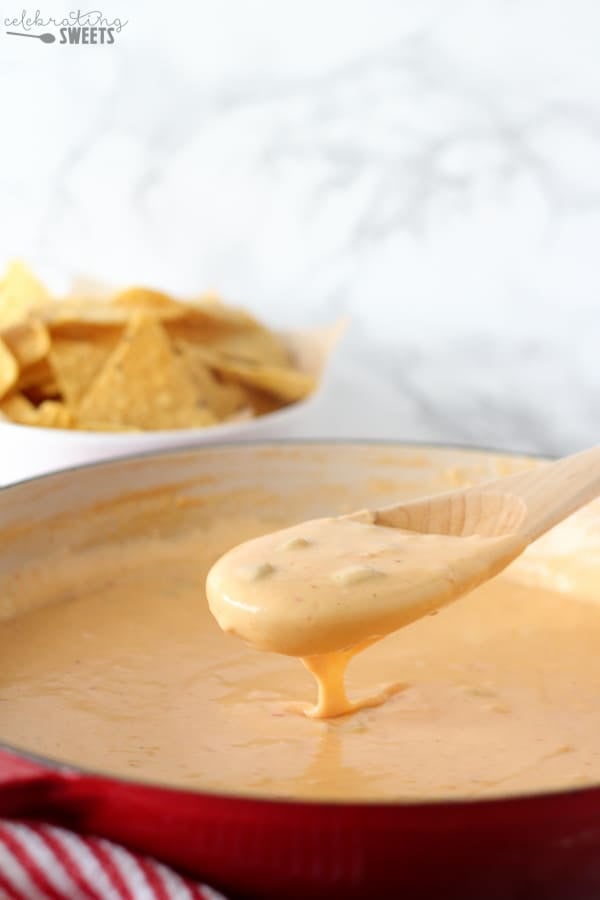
x=77, y=27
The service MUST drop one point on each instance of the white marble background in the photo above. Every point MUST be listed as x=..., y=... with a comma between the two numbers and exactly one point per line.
x=431, y=168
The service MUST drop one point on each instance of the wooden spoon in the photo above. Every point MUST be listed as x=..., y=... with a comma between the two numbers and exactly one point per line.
x=338, y=583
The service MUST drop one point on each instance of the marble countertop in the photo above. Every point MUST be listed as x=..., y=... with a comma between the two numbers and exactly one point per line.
x=430, y=169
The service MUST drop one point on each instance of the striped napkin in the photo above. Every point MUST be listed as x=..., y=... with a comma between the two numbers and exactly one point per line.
x=42, y=862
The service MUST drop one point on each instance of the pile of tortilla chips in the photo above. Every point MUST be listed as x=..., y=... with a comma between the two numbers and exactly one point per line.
x=137, y=361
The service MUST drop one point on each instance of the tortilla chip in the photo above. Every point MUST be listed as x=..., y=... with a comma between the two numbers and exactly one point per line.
x=223, y=399
x=143, y=385
x=204, y=316
x=261, y=404
x=28, y=342
x=9, y=369
x=261, y=347
x=37, y=374
x=140, y=299
x=75, y=363
x=51, y=414
x=20, y=292
x=253, y=344
x=103, y=426
x=85, y=317
x=82, y=314
x=17, y=408
x=286, y=384
x=45, y=389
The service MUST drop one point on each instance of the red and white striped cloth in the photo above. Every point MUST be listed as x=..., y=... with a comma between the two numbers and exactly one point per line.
x=42, y=862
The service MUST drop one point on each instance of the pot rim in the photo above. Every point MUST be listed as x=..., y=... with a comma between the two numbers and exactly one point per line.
x=265, y=443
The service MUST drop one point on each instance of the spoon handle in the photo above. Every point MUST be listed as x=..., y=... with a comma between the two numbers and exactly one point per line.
x=527, y=504
x=553, y=491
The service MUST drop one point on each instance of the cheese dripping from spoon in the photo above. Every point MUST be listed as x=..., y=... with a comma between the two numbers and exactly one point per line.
x=328, y=588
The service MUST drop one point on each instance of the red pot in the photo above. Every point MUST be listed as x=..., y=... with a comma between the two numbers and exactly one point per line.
x=545, y=846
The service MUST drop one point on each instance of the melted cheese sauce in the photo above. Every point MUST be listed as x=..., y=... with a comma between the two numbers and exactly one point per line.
x=326, y=589
x=127, y=672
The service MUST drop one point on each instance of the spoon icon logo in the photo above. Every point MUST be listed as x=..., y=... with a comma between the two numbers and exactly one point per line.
x=46, y=38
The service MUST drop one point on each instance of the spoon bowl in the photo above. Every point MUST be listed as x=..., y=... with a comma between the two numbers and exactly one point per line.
x=353, y=582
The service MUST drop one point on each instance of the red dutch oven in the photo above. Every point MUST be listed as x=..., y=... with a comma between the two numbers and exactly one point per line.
x=542, y=846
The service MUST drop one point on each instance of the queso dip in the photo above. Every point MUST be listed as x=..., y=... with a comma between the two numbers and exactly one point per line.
x=119, y=666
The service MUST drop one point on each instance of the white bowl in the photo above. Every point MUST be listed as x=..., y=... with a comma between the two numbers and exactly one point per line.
x=26, y=451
